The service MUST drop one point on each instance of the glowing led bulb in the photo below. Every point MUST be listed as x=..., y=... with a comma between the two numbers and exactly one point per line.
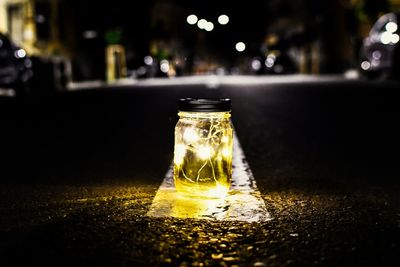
x=190, y=135
x=180, y=151
x=204, y=152
x=226, y=152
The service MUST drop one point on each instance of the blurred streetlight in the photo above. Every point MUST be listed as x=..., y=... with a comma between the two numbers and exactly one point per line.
x=240, y=46
x=223, y=19
x=209, y=27
x=191, y=19
x=202, y=24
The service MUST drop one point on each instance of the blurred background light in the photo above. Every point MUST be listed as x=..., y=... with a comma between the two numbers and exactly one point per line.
x=270, y=61
x=141, y=70
x=395, y=38
x=202, y=24
x=386, y=37
x=164, y=66
x=240, y=46
x=365, y=65
x=191, y=19
x=148, y=60
x=375, y=63
x=28, y=34
x=20, y=53
x=40, y=18
x=223, y=19
x=256, y=64
x=377, y=54
x=391, y=27
x=209, y=26
x=89, y=34
x=278, y=68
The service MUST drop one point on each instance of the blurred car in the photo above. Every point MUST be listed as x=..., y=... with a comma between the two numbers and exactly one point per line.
x=15, y=67
x=380, y=50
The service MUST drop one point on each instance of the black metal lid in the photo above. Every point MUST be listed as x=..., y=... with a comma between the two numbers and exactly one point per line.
x=204, y=105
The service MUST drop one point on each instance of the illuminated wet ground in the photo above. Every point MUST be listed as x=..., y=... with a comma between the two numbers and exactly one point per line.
x=107, y=226
x=77, y=182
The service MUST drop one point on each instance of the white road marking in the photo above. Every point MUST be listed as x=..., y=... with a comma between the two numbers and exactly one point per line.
x=243, y=203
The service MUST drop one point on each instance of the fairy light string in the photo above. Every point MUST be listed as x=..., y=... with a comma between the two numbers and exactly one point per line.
x=205, y=138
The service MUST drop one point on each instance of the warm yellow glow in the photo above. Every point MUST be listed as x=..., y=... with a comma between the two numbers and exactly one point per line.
x=204, y=152
x=187, y=207
x=210, y=203
x=115, y=62
x=217, y=191
x=190, y=135
x=180, y=151
x=29, y=34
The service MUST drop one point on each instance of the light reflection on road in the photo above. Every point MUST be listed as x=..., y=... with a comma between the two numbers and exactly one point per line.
x=243, y=203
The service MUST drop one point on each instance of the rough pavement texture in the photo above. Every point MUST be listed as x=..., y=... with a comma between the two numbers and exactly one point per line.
x=107, y=226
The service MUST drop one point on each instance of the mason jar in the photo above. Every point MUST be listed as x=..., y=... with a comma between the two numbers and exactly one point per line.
x=203, y=147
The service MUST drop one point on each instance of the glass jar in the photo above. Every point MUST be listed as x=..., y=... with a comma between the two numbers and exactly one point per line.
x=203, y=147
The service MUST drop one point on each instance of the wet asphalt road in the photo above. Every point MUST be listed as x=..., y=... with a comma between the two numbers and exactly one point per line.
x=79, y=171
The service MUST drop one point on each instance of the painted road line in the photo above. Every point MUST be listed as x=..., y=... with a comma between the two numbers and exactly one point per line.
x=243, y=203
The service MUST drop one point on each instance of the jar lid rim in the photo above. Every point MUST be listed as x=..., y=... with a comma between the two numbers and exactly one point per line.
x=204, y=104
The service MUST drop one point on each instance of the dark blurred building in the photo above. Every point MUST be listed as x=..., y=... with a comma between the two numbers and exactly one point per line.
x=323, y=36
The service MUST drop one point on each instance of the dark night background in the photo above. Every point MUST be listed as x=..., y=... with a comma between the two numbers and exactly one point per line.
x=336, y=27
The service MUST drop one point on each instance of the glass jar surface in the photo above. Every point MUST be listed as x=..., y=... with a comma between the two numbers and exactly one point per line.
x=203, y=153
